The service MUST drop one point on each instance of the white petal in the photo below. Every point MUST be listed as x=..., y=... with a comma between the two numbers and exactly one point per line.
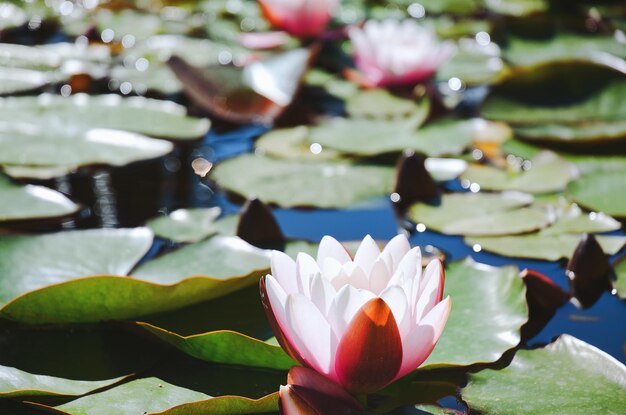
x=379, y=276
x=397, y=248
x=409, y=268
x=428, y=297
x=345, y=305
x=311, y=331
x=367, y=253
x=284, y=270
x=322, y=293
x=306, y=268
x=396, y=299
x=356, y=276
x=331, y=248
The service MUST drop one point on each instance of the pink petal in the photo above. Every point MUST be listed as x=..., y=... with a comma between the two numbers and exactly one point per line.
x=284, y=270
x=370, y=353
x=330, y=248
x=263, y=40
x=346, y=304
x=311, y=332
x=418, y=345
x=310, y=379
x=432, y=291
x=367, y=254
x=292, y=404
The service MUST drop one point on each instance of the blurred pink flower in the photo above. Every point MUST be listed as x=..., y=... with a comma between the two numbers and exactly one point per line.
x=300, y=18
x=395, y=52
x=361, y=323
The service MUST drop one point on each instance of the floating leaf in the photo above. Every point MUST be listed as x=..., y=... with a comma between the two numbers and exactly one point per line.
x=507, y=222
x=518, y=8
x=601, y=191
x=543, y=247
x=548, y=173
x=32, y=202
x=292, y=143
x=466, y=206
x=17, y=383
x=573, y=220
x=226, y=347
x=373, y=137
x=479, y=334
x=33, y=262
x=379, y=103
x=536, y=379
x=16, y=80
x=52, y=56
x=588, y=133
x=620, y=283
x=82, y=112
x=186, y=225
x=296, y=183
x=473, y=64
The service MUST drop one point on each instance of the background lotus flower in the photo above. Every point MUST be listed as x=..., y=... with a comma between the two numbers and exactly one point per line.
x=300, y=18
x=395, y=52
x=361, y=323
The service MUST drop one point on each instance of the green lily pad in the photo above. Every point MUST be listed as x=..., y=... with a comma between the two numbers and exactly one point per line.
x=16, y=80
x=589, y=133
x=480, y=334
x=226, y=347
x=527, y=52
x=457, y=7
x=508, y=222
x=372, y=137
x=290, y=183
x=37, y=172
x=379, y=103
x=536, y=379
x=548, y=173
x=33, y=262
x=80, y=112
x=47, y=147
x=473, y=64
x=17, y=383
x=553, y=93
x=186, y=225
x=601, y=191
x=32, y=202
x=517, y=8
x=467, y=206
x=153, y=395
x=573, y=220
x=52, y=56
x=620, y=283
x=292, y=143
x=543, y=247
x=156, y=77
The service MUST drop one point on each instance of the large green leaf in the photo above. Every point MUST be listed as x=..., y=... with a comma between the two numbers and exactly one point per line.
x=18, y=383
x=548, y=173
x=588, y=133
x=70, y=115
x=153, y=395
x=536, y=380
x=488, y=309
x=292, y=143
x=296, y=183
x=620, y=283
x=372, y=137
x=379, y=103
x=527, y=52
x=461, y=207
x=54, y=56
x=33, y=262
x=601, y=191
x=542, y=246
x=508, y=222
x=226, y=347
x=32, y=202
x=553, y=93
x=186, y=225
x=473, y=64
x=572, y=219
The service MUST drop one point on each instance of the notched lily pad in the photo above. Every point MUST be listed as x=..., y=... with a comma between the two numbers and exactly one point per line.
x=536, y=379
x=32, y=202
x=480, y=334
x=290, y=183
x=186, y=225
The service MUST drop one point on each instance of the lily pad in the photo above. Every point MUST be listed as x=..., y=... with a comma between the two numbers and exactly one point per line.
x=553, y=93
x=473, y=64
x=458, y=206
x=543, y=247
x=379, y=103
x=153, y=395
x=33, y=262
x=517, y=8
x=536, y=379
x=573, y=220
x=32, y=202
x=548, y=173
x=372, y=137
x=620, y=283
x=186, y=225
x=106, y=297
x=601, y=191
x=563, y=47
x=16, y=80
x=17, y=383
x=80, y=112
x=226, y=347
x=292, y=143
x=507, y=222
x=52, y=56
x=588, y=133
x=290, y=183
x=480, y=334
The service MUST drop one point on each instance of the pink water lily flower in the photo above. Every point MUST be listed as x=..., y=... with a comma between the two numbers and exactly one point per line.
x=361, y=322
x=300, y=18
x=393, y=52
